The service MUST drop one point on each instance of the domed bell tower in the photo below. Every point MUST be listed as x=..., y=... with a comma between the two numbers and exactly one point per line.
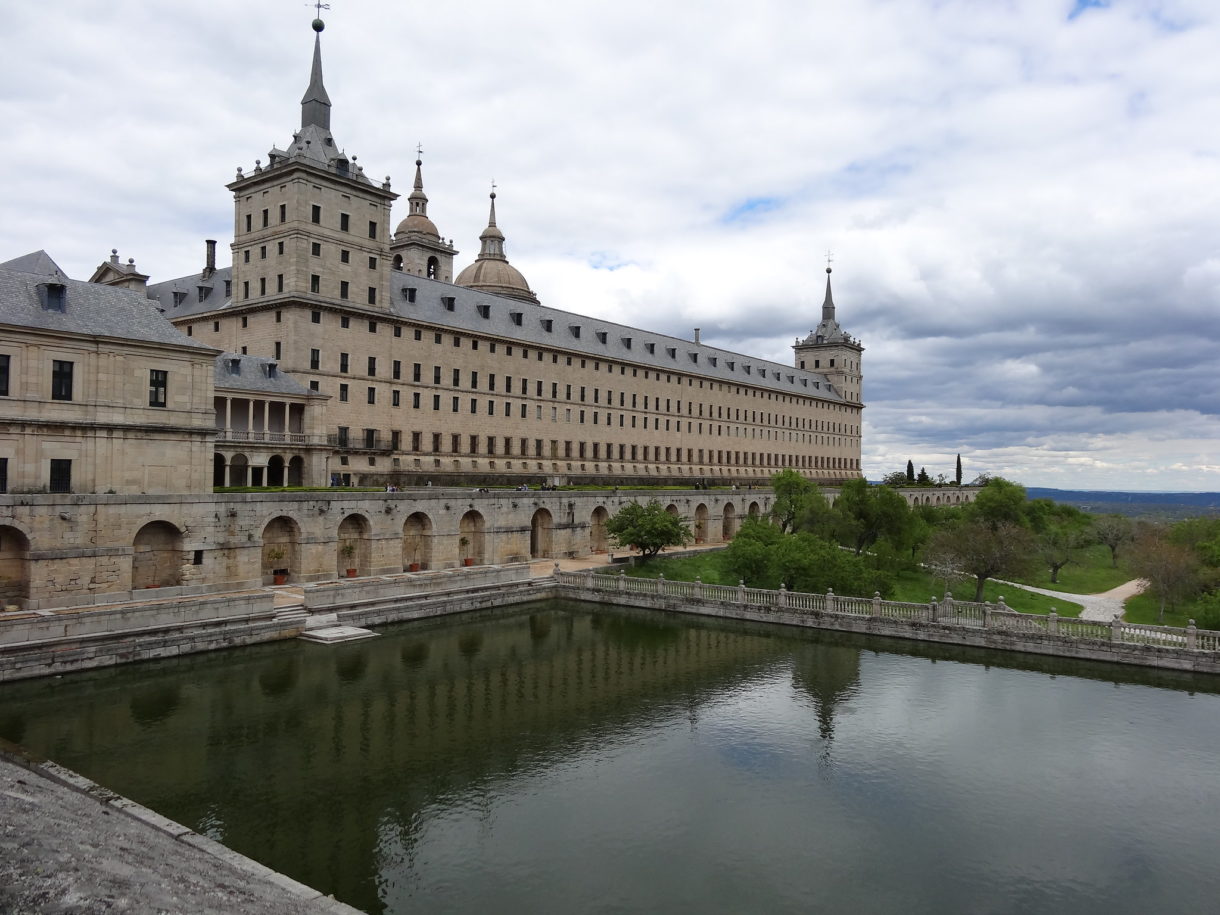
x=832, y=352
x=417, y=247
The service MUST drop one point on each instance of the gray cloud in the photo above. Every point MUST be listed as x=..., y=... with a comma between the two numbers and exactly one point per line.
x=1021, y=202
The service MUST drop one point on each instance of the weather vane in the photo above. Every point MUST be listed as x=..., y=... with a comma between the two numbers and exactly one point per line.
x=321, y=6
x=493, y=187
x=829, y=259
x=419, y=150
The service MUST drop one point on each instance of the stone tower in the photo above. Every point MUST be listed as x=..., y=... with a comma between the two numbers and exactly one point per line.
x=417, y=246
x=832, y=352
x=309, y=226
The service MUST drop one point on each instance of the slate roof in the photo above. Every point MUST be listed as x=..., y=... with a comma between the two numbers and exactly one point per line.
x=89, y=308
x=253, y=375
x=163, y=293
x=480, y=312
x=35, y=262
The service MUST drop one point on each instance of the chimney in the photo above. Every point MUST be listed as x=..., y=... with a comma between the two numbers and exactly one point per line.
x=209, y=266
x=696, y=335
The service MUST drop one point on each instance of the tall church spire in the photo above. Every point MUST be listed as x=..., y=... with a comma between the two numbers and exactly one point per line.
x=492, y=240
x=315, y=105
x=828, y=304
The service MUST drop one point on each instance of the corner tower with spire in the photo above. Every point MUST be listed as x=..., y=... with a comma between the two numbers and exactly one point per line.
x=491, y=271
x=309, y=226
x=417, y=246
x=831, y=351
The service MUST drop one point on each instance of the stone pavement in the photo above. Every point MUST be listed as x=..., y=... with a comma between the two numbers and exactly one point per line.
x=1102, y=607
x=78, y=848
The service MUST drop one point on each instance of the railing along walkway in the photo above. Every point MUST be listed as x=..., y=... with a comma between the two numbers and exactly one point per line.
x=946, y=612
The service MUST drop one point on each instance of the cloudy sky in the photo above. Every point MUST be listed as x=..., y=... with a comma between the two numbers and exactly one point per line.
x=1022, y=196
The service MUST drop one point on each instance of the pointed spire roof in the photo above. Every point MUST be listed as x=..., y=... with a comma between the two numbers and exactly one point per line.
x=491, y=271
x=828, y=304
x=315, y=104
x=417, y=209
x=828, y=330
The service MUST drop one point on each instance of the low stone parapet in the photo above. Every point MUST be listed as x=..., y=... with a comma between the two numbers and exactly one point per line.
x=327, y=595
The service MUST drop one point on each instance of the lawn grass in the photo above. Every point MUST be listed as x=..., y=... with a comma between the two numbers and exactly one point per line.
x=919, y=587
x=1089, y=574
x=1144, y=608
x=914, y=587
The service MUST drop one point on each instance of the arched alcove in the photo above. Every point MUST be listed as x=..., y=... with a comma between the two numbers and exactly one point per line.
x=728, y=523
x=281, y=548
x=416, y=542
x=14, y=565
x=471, y=538
x=239, y=470
x=156, y=560
x=700, y=523
x=219, y=470
x=353, y=549
x=599, y=541
x=541, y=535
x=753, y=510
x=275, y=470
x=296, y=471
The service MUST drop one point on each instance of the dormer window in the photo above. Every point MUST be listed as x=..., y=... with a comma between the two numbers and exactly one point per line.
x=626, y=342
x=272, y=369
x=731, y=364
x=672, y=352
x=694, y=357
x=575, y=329
x=408, y=293
x=484, y=310
x=203, y=292
x=515, y=317
x=179, y=298
x=651, y=347
x=228, y=289
x=234, y=366
x=748, y=369
x=547, y=324
x=54, y=296
x=447, y=301
x=601, y=336
x=713, y=360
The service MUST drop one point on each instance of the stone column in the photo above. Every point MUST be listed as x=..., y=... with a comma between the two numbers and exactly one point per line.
x=1052, y=622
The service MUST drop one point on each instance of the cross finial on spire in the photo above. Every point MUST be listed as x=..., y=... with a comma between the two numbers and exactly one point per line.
x=321, y=6
x=829, y=259
x=419, y=150
x=493, y=187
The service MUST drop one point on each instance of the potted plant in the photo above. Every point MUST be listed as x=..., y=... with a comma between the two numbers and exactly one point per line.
x=274, y=555
x=348, y=550
x=464, y=542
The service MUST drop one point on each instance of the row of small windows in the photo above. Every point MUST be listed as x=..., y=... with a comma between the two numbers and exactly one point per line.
x=63, y=373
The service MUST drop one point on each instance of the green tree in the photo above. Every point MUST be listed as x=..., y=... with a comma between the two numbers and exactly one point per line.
x=958, y=475
x=1170, y=569
x=763, y=557
x=867, y=513
x=648, y=528
x=1000, y=501
x=910, y=472
x=1062, y=531
x=980, y=550
x=1114, y=531
x=923, y=479
x=897, y=478
x=796, y=497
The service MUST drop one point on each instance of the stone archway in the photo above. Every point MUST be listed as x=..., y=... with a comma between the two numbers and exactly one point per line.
x=275, y=470
x=599, y=540
x=281, y=547
x=239, y=470
x=753, y=511
x=416, y=542
x=296, y=471
x=353, y=549
x=700, y=523
x=471, y=538
x=728, y=523
x=542, y=537
x=156, y=560
x=671, y=508
x=14, y=565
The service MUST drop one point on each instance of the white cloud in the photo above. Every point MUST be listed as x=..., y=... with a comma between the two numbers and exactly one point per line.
x=1022, y=206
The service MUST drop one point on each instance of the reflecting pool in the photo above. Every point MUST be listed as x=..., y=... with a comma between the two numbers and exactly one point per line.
x=568, y=758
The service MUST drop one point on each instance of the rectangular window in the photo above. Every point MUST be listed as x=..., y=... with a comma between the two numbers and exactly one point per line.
x=61, y=381
x=415, y=441
x=4, y=368
x=372, y=229
x=345, y=322
x=415, y=400
x=372, y=263
x=279, y=282
x=436, y=401
x=343, y=393
x=283, y=215
x=343, y=360
x=315, y=317
x=372, y=366
x=245, y=289
x=372, y=395
x=315, y=283
x=345, y=222
x=61, y=476
x=315, y=359
x=315, y=249
x=262, y=252
x=249, y=222
x=397, y=370
x=372, y=327
x=372, y=295
x=343, y=289
x=315, y=214
x=345, y=256
x=3, y=474
x=158, y=386
x=396, y=398
x=262, y=285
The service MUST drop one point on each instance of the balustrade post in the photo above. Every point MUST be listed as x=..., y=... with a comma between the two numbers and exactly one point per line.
x=622, y=580
x=1004, y=606
x=987, y=615
x=830, y=600
x=1052, y=622
x=698, y=587
x=741, y=590
x=934, y=611
x=589, y=579
x=876, y=603
x=1192, y=636
x=661, y=583
x=1116, y=630
x=779, y=598
x=556, y=572
x=947, y=603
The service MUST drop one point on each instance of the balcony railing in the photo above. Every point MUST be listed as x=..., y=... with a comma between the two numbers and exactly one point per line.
x=360, y=442
x=285, y=438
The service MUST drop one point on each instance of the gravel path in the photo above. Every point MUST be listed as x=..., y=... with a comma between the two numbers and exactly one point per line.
x=1102, y=607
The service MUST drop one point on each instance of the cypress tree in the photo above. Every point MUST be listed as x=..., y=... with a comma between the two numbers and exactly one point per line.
x=958, y=476
x=910, y=472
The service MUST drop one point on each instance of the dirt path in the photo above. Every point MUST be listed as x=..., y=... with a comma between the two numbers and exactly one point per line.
x=1102, y=607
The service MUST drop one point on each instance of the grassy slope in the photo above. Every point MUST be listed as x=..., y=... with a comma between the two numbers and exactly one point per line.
x=1089, y=574
x=911, y=586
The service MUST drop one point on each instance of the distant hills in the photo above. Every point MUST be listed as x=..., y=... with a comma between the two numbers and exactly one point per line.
x=1135, y=504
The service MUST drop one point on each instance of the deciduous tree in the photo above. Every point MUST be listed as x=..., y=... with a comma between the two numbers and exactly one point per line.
x=867, y=513
x=980, y=550
x=648, y=528
x=1169, y=568
x=1114, y=531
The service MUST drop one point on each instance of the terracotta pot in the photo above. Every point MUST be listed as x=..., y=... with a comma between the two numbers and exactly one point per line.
x=351, y=573
x=468, y=561
x=413, y=567
x=280, y=579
